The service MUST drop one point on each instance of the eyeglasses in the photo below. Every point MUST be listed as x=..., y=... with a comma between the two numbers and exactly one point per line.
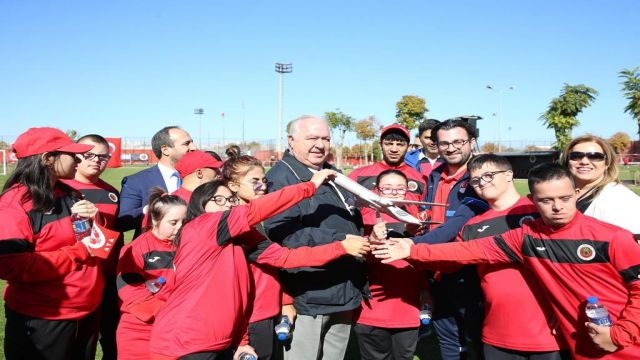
x=486, y=177
x=223, y=200
x=257, y=184
x=91, y=156
x=456, y=144
x=592, y=156
x=392, y=191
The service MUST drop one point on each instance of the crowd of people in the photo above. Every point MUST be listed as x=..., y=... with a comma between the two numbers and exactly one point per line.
x=223, y=250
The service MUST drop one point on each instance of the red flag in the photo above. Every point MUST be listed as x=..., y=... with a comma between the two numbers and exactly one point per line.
x=102, y=240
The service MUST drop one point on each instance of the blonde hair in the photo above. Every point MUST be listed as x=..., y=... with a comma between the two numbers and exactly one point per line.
x=611, y=170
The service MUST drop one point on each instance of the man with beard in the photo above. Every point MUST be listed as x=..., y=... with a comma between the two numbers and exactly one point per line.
x=458, y=298
x=394, y=141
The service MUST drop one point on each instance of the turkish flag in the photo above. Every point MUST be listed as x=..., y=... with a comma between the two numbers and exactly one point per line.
x=115, y=147
x=102, y=240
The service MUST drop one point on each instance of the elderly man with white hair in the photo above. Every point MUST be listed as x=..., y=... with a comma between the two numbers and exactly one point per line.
x=323, y=297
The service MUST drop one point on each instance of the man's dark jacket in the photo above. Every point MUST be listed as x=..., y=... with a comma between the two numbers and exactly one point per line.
x=319, y=220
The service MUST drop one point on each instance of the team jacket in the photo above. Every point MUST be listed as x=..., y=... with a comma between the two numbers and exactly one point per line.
x=105, y=197
x=146, y=258
x=586, y=257
x=366, y=176
x=49, y=274
x=510, y=288
x=208, y=309
x=417, y=160
x=395, y=287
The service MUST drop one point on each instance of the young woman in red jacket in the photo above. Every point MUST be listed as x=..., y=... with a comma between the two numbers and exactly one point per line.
x=387, y=325
x=53, y=287
x=207, y=312
x=150, y=257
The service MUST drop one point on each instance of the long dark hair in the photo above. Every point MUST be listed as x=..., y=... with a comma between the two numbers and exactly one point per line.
x=199, y=198
x=32, y=173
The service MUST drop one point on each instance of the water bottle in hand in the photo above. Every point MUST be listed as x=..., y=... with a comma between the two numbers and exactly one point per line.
x=425, y=314
x=81, y=227
x=155, y=285
x=597, y=313
x=246, y=356
x=283, y=329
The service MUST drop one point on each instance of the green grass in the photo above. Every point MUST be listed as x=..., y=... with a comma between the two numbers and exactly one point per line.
x=427, y=348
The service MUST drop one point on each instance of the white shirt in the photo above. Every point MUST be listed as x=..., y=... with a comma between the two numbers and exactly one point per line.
x=170, y=177
x=617, y=205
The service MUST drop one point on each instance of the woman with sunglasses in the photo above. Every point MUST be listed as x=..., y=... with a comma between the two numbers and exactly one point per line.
x=245, y=177
x=592, y=162
x=53, y=286
x=206, y=315
x=148, y=258
x=388, y=323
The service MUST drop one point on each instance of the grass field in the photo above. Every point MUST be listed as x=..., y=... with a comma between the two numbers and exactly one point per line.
x=427, y=348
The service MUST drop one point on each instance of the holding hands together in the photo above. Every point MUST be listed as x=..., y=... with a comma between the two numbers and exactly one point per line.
x=356, y=245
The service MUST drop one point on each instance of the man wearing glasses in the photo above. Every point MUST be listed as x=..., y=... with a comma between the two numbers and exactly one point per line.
x=394, y=141
x=106, y=198
x=426, y=158
x=458, y=298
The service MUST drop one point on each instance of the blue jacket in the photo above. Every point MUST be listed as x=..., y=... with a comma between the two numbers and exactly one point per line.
x=321, y=219
x=134, y=195
x=412, y=157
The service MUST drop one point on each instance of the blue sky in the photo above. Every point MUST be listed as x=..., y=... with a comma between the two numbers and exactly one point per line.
x=127, y=68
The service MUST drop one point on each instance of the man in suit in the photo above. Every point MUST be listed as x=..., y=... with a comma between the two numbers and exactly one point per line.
x=168, y=145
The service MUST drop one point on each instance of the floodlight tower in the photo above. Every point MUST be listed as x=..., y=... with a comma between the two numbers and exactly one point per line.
x=199, y=112
x=499, y=114
x=281, y=69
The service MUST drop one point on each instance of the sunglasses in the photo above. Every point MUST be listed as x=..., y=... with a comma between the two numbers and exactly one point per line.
x=591, y=156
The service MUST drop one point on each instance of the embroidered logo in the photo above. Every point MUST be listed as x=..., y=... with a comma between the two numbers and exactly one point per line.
x=412, y=185
x=526, y=219
x=463, y=186
x=586, y=252
x=155, y=258
x=482, y=229
x=113, y=197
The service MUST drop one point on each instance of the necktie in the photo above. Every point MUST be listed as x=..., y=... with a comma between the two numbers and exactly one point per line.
x=178, y=180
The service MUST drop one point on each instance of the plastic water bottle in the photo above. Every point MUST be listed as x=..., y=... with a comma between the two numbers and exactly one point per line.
x=155, y=285
x=283, y=329
x=425, y=314
x=246, y=356
x=597, y=313
x=81, y=227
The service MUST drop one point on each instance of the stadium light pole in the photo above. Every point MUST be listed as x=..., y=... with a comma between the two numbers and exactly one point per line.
x=199, y=112
x=492, y=88
x=281, y=69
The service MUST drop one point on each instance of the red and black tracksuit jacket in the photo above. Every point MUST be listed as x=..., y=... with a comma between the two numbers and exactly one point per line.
x=416, y=184
x=583, y=258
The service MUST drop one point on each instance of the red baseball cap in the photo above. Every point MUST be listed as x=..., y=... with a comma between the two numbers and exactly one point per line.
x=397, y=127
x=194, y=160
x=45, y=139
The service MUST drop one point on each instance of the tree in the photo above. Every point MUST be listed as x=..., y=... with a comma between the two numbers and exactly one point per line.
x=366, y=130
x=631, y=89
x=72, y=134
x=561, y=116
x=489, y=147
x=341, y=123
x=410, y=111
x=619, y=141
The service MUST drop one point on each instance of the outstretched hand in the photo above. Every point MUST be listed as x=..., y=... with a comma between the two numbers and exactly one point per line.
x=393, y=249
x=356, y=245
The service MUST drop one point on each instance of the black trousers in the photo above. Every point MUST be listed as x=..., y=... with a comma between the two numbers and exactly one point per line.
x=209, y=355
x=29, y=338
x=262, y=338
x=109, y=319
x=495, y=353
x=378, y=343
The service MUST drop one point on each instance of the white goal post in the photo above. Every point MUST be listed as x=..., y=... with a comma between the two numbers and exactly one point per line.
x=4, y=161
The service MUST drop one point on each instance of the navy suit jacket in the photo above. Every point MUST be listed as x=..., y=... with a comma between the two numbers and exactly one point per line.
x=134, y=196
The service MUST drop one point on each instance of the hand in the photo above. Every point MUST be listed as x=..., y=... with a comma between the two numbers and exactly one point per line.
x=87, y=243
x=244, y=349
x=290, y=311
x=85, y=209
x=322, y=176
x=394, y=249
x=601, y=337
x=356, y=245
x=379, y=232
